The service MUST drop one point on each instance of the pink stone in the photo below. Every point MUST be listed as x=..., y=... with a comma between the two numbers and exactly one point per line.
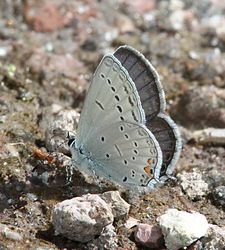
x=149, y=235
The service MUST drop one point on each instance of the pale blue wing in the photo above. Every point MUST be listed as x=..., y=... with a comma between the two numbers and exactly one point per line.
x=125, y=158
x=112, y=96
x=112, y=103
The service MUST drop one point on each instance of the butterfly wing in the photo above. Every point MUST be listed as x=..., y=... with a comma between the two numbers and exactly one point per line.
x=112, y=102
x=153, y=102
x=112, y=96
x=169, y=139
x=145, y=79
x=124, y=152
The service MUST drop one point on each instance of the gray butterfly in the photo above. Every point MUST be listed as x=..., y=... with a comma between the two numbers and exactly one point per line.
x=123, y=133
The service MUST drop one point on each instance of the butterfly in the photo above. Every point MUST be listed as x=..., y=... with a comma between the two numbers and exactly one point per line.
x=123, y=133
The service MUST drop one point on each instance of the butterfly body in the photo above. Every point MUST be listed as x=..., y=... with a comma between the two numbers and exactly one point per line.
x=115, y=137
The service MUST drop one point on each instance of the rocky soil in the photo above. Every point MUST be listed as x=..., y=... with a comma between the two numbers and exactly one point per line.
x=48, y=53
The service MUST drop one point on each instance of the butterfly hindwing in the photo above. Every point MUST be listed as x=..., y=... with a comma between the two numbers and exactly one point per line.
x=134, y=156
x=168, y=137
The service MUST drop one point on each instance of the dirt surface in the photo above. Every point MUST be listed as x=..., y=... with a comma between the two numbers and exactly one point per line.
x=48, y=53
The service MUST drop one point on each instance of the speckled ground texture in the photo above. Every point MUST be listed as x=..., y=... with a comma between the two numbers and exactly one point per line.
x=48, y=53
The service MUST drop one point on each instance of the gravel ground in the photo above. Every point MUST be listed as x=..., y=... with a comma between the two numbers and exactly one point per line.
x=48, y=53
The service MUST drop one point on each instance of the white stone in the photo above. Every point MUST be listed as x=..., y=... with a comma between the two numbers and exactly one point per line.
x=180, y=228
x=119, y=206
x=81, y=218
x=108, y=238
x=193, y=184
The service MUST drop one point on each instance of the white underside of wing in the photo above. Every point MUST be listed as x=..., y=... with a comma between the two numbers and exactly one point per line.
x=125, y=159
x=111, y=97
x=112, y=101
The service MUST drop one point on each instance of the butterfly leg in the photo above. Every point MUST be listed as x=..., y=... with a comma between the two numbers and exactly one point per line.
x=69, y=171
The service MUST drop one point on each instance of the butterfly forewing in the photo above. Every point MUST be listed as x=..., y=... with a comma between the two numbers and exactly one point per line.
x=112, y=97
x=145, y=78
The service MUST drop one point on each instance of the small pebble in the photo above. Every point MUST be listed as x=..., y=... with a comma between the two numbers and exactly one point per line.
x=181, y=229
x=193, y=184
x=149, y=236
x=219, y=195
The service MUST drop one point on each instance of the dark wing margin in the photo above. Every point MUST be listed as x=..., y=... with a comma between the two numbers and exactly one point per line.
x=145, y=78
x=168, y=136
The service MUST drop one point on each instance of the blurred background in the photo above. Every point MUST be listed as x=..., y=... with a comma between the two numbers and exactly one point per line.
x=49, y=50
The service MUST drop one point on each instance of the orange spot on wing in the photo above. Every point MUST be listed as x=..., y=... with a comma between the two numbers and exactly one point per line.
x=148, y=170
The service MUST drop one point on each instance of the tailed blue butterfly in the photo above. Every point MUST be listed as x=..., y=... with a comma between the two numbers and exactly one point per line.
x=123, y=133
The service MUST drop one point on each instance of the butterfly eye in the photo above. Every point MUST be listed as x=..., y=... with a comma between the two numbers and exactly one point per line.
x=71, y=141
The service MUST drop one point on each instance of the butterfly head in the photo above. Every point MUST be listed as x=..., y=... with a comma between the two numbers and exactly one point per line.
x=71, y=139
